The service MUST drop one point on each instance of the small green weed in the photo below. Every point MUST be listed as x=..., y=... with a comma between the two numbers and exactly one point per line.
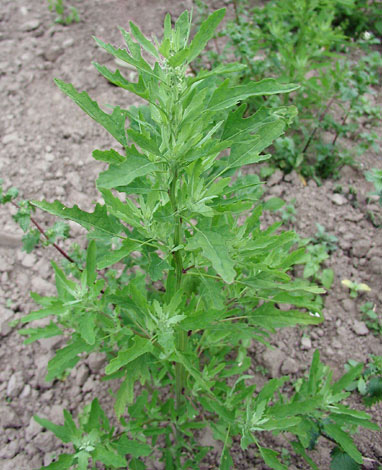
x=63, y=17
x=373, y=319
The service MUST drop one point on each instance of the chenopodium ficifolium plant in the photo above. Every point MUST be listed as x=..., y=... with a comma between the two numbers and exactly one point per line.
x=206, y=279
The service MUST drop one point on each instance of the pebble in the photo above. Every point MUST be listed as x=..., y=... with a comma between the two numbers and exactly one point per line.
x=360, y=248
x=28, y=260
x=306, y=343
x=45, y=441
x=96, y=362
x=6, y=315
x=360, y=328
x=272, y=359
x=53, y=53
x=30, y=25
x=32, y=429
x=289, y=366
x=375, y=265
x=275, y=178
x=349, y=306
x=10, y=450
x=15, y=385
x=338, y=199
x=9, y=241
x=82, y=375
x=9, y=418
x=89, y=385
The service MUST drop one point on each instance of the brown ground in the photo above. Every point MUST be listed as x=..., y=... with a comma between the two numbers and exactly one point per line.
x=46, y=152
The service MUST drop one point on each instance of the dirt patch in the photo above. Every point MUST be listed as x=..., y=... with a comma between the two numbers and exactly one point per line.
x=46, y=152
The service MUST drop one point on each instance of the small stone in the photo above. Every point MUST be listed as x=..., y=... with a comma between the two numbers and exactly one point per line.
x=338, y=199
x=82, y=375
x=30, y=25
x=11, y=138
x=15, y=385
x=32, y=429
x=360, y=328
x=6, y=315
x=272, y=360
x=275, y=178
x=336, y=344
x=53, y=53
x=29, y=260
x=349, y=306
x=375, y=265
x=9, y=418
x=360, y=248
x=26, y=391
x=10, y=450
x=45, y=441
x=306, y=343
x=9, y=241
x=89, y=385
x=69, y=42
x=42, y=286
x=289, y=366
x=96, y=362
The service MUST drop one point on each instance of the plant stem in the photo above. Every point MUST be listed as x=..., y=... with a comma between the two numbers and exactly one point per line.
x=316, y=128
x=181, y=336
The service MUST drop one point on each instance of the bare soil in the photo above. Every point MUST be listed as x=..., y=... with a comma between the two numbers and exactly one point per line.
x=46, y=152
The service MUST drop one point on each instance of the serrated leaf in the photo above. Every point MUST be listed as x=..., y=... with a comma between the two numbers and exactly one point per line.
x=270, y=458
x=124, y=173
x=140, y=346
x=132, y=447
x=215, y=249
x=108, y=156
x=344, y=440
x=38, y=333
x=205, y=33
x=225, y=96
x=114, y=123
x=226, y=462
x=143, y=41
x=63, y=462
x=342, y=461
x=87, y=327
x=99, y=219
x=62, y=432
x=66, y=357
x=109, y=458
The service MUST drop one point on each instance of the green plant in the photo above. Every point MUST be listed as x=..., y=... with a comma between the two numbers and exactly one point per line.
x=369, y=384
x=175, y=283
x=324, y=238
x=355, y=287
x=372, y=318
x=288, y=214
x=375, y=177
x=298, y=40
x=60, y=9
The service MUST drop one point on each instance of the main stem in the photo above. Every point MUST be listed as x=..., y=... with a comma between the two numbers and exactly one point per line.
x=180, y=373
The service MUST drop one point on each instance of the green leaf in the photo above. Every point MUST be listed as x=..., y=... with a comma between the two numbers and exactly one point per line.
x=91, y=274
x=125, y=172
x=274, y=204
x=37, y=333
x=67, y=357
x=55, y=309
x=99, y=219
x=132, y=447
x=83, y=460
x=87, y=327
x=30, y=240
x=108, y=457
x=114, y=256
x=143, y=41
x=269, y=316
x=344, y=440
x=140, y=346
x=63, y=462
x=205, y=33
x=114, y=123
x=342, y=461
x=226, y=97
x=215, y=249
x=347, y=379
x=108, y=156
x=226, y=462
x=157, y=267
x=327, y=277
x=62, y=432
x=299, y=449
x=124, y=396
x=270, y=458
